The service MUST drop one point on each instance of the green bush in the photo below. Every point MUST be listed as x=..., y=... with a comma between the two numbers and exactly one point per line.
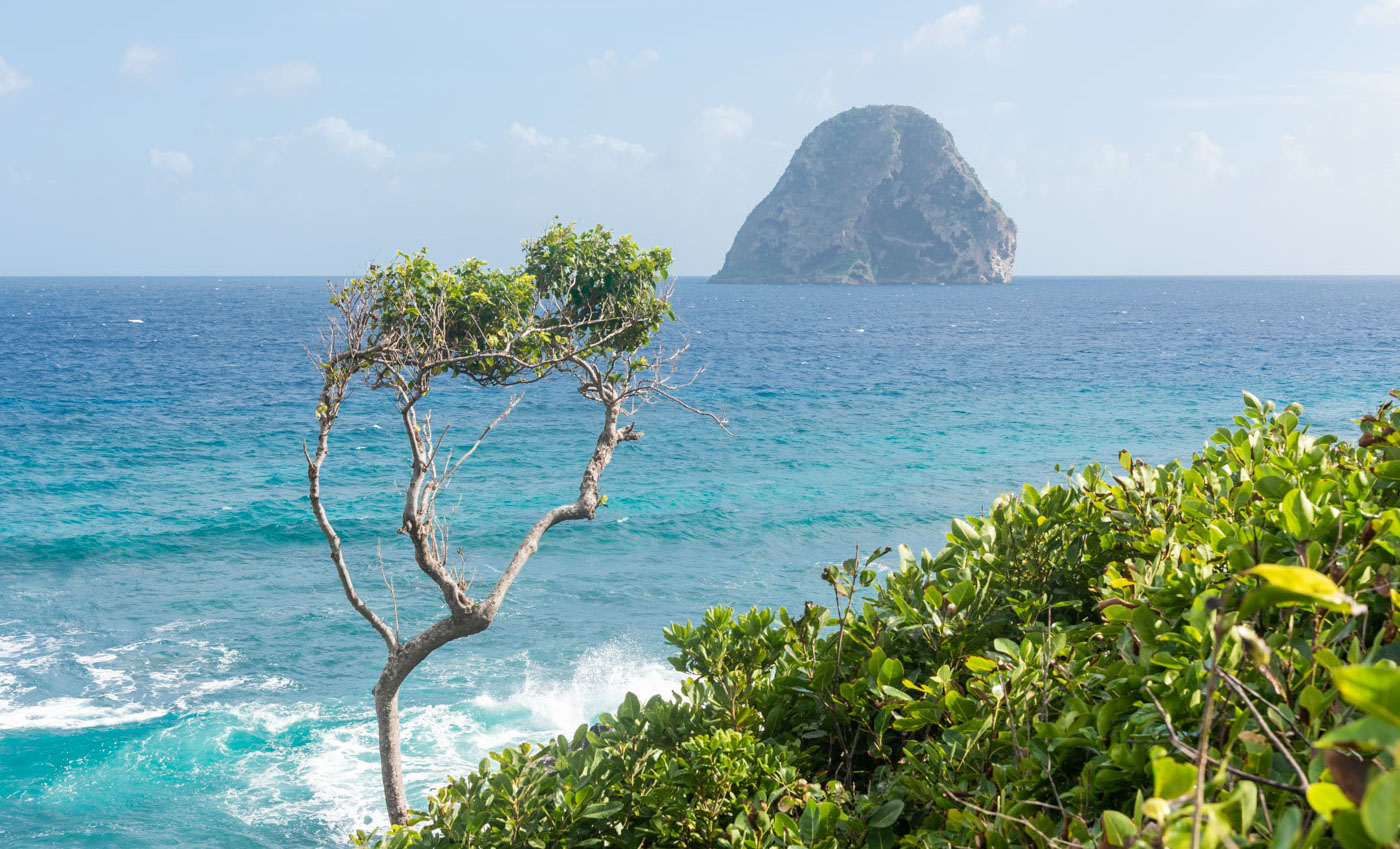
x=1193, y=654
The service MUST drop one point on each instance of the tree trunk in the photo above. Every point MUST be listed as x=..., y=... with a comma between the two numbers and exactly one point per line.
x=386, y=709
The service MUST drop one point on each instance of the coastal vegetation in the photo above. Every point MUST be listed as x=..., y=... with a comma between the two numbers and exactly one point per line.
x=1194, y=654
x=584, y=305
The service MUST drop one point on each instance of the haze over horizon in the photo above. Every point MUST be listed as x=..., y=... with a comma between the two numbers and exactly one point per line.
x=1204, y=137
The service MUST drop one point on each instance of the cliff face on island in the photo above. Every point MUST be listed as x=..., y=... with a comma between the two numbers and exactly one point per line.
x=875, y=195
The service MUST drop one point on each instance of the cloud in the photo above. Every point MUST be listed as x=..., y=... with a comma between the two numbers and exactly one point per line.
x=1110, y=162
x=955, y=29
x=334, y=133
x=1380, y=12
x=1298, y=162
x=609, y=65
x=594, y=149
x=994, y=45
x=1197, y=160
x=172, y=161
x=645, y=59
x=142, y=62
x=11, y=80
x=529, y=136
x=354, y=143
x=1208, y=156
x=282, y=80
x=338, y=133
x=721, y=124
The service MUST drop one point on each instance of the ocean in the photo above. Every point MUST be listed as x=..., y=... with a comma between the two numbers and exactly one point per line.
x=178, y=665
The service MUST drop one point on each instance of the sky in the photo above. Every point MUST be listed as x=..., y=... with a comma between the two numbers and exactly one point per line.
x=1124, y=137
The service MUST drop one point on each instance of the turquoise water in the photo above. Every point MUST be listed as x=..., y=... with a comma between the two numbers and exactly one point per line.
x=178, y=666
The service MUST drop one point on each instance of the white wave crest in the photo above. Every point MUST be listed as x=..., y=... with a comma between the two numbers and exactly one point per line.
x=337, y=774
x=67, y=713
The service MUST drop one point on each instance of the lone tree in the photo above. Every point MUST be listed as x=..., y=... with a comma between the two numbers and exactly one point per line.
x=584, y=306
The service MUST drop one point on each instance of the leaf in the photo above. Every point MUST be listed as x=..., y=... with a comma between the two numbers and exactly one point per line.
x=963, y=532
x=1156, y=808
x=1374, y=689
x=1366, y=733
x=880, y=838
x=980, y=665
x=1348, y=773
x=818, y=820
x=1347, y=828
x=887, y=814
x=1286, y=829
x=1171, y=779
x=1297, y=513
x=1288, y=585
x=601, y=810
x=630, y=708
x=1327, y=799
x=1118, y=829
x=1390, y=470
x=1380, y=811
x=962, y=593
x=1273, y=487
x=890, y=670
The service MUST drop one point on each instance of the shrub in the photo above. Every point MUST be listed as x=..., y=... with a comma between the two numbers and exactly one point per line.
x=1192, y=654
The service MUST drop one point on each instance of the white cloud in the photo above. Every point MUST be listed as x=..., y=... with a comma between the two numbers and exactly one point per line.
x=11, y=80
x=282, y=80
x=995, y=44
x=1195, y=161
x=357, y=144
x=142, y=62
x=594, y=149
x=645, y=59
x=173, y=161
x=720, y=124
x=529, y=136
x=955, y=29
x=1207, y=156
x=1380, y=12
x=1298, y=161
x=1110, y=162
x=608, y=144
x=609, y=64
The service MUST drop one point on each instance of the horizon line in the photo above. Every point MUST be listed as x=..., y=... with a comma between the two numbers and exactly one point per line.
x=692, y=277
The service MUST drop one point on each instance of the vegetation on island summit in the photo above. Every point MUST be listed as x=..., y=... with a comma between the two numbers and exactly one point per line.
x=1198, y=654
x=584, y=305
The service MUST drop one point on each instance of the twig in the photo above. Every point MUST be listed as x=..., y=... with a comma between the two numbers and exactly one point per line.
x=1268, y=731
x=1024, y=823
x=1186, y=749
x=389, y=583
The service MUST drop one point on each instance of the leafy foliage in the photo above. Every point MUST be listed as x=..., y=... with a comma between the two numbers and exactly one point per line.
x=579, y=294
x=1192, y=654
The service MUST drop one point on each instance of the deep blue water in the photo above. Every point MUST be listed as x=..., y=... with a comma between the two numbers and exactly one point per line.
x=177, y=662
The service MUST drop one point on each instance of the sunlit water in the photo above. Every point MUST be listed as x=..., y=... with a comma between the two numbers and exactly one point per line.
x=178, y=665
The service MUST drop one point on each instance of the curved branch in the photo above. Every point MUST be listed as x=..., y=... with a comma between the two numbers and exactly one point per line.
x=330, y=403
x=585, y=507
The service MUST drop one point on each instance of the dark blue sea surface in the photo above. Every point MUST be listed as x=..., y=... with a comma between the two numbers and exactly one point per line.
x=178, y=665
